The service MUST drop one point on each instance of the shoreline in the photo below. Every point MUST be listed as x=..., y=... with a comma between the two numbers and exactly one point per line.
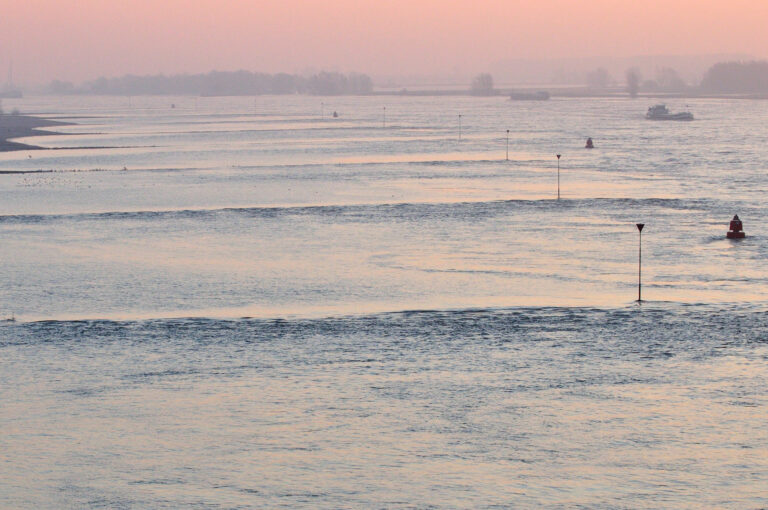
x=566, y=92
x=20, y=126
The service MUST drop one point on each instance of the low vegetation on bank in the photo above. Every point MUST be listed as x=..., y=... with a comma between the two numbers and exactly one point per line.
x=725, y=78
x=218, y=83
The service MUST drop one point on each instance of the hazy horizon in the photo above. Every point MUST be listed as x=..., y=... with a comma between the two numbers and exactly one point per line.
x=256, y=290
x=425, y=40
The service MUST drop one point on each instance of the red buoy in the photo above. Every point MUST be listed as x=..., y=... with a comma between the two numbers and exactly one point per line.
x=737, y=230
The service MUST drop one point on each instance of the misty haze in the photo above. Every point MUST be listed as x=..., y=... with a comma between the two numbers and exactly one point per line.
x=357, y=254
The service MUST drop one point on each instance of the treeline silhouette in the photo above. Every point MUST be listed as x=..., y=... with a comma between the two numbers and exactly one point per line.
x=737, y=78
x=227, y=83
x=722, y=78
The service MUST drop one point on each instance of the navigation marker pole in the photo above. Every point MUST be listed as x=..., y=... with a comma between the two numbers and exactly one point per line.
x=640, y=262
x=558, y=176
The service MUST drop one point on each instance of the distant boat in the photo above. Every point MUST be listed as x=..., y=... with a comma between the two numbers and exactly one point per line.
x=661, y=112
x=541, y=95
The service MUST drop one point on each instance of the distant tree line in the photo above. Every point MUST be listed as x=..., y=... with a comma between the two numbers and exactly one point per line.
x=633, y=78
x=737, y=78
x=599, y=79
x=218, y=83
x=722, y=78
x=666, y=80
x=482, y=85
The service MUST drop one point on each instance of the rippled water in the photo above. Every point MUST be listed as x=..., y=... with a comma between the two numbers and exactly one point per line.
x=239, y=302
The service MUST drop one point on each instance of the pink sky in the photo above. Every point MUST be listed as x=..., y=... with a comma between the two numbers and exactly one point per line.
x=83, y=39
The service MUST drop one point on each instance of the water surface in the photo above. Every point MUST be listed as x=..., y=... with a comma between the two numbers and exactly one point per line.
x=239, y=303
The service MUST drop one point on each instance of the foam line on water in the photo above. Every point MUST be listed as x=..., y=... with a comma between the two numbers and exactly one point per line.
x=382, y=211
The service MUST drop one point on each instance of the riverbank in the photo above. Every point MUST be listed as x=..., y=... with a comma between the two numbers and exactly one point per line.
x=20, y=126
x=566, y=92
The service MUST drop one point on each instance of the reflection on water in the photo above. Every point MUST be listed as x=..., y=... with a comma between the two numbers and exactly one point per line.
x=289, y=261
x=641, y=407
x=239, y=303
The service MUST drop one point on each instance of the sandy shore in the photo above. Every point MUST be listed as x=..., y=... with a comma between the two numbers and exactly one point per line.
x=17, y=126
